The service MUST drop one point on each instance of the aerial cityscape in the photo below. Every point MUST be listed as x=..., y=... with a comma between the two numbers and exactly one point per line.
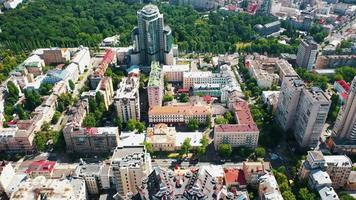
x=177, y=99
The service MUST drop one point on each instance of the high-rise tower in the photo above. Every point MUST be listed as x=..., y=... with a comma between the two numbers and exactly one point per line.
x=345, y=125
x=307, y=53
x=152, y=39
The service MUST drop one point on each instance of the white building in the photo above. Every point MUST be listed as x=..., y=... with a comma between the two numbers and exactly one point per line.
x=174, y=73
x=130, y=166
x=50, y=189
x=127, y=99
x=12, y=4
x=82, y=58
x=268, y=188
x=7, y=172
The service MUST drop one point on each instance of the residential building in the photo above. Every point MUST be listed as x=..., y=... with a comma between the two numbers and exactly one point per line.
x=328, y=193
x=351, y=182
x=288, y=100
x=335, y=61
x=178, y=114
x=18, y=139
x=200, y=77
x=174, y=73
x=108, y=58
x=127, y=99
x=304, y=110
x=56, y=56
x=152, y=39
x=34, y=65
x=268, y=187
x=319, y=179
x=271, y=99
x=51, y=189
x=94, y=140
x=345, y=124
x=130, y=166
x=164, y=138
x=307, y=53
x=155, y=86
x=311, y=115
x=234, y=177
x=244, y=133
x=82, y=58
x=201, y=5
x=7, y=173
x=339, y=168
x=91, y=175
x=12, y=4
x=41, y=168
x=254, y=170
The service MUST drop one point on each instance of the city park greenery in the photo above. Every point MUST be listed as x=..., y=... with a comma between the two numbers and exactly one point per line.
x=69, y=23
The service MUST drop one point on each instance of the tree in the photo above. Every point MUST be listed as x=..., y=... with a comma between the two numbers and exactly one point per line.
x=186, y=146
x=260, y=152
x=45, y=89
x=44, y=140
x=229, y=117
x=149, y=147
x=193, y=124
x=183, y=98
x=167, y=98
x=71, y=85
x=221, y=120
x=305, y=194
x=140, y=127
x=288, y=195
x=204, y=145
x=64, y=101
x=208, y=122
x=345, y=196
x=225, y=150
x=131, y=124
x=89, y=120
x=33, y=99
x=23, y=115
x=55, y=117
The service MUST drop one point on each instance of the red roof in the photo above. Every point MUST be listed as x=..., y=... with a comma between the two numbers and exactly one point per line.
x=235, y=128
x=234, y=175
x=207, y=98
x=344, y=85
x=41, y=166
x=242, y=112
x=107, y=59
x=183, y=90
x=91, y=131
x=344, y=95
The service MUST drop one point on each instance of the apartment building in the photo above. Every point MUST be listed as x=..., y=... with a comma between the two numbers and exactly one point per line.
x=108, y=58
x=311, y=115
x=244, y=133
x=155, y=86
x=127, y=99
x=254, y=170
x=178, y=114
x=307, y=53
x=41, y=168
x=268, y=188
x=53, y=56
x=50, y=189
x=91, y=140
x=201, y=77
x=304, y=110
x=130, y=166
x=174, y=73
x=7, y=172
x=164, y=138
x=288, y=100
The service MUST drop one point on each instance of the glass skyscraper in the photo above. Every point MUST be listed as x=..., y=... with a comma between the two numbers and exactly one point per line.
x=152, y=40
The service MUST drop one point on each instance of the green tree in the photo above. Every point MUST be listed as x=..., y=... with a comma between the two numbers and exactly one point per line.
x=186, y=146
x=345, y=196
x=288, y=195
x=149, y=147
x=71, y=84
x=45, y=89
x=167, y=98
x=183, y=98
x=33, y=99
x=64, y=101
x=305, y=194
x=221, y=120
x=204, y=145
x=89, y=120
x=193, y=124
x=229, y=117
x=260, y=152
x=225, y=150
x=140, y=127
x=55, y=117
x=131, y=124
x=208, y=122
x=44, y=140
x=23, y=115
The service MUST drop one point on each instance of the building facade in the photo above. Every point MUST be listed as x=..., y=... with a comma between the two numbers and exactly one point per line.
x=155, y=86
x=152, y=39
x=307, y=53
x=127, y=99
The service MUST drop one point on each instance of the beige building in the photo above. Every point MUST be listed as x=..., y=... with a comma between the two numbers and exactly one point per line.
x=7, y=172
x=164, y=138
x=304, y=110
x=253, y=170
x=178, y=114
x=51, y=189
x=155, y=86
x=56, y=56
x=351, y=182
x=345, y=125
x=127, y=99
x=268, y=188
x=244, y=133
x=130, y=166
x=174, y=73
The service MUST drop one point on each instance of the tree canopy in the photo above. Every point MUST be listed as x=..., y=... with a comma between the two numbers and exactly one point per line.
x=225, y=150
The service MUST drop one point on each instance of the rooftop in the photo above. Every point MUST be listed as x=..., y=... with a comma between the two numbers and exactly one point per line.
x=343, y=84
x=128, y=88
x=41, y=166
x=155, y=78
x=175, y=68
x=180, y=110
x=338, y=160
x=234, y=175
